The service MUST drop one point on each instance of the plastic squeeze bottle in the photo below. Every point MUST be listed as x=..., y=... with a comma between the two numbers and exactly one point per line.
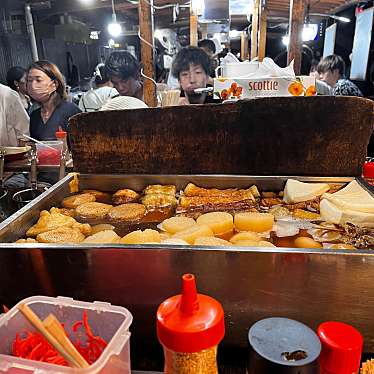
x=190, y=326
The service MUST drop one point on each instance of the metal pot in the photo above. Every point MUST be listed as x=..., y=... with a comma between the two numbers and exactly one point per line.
x=24, y=197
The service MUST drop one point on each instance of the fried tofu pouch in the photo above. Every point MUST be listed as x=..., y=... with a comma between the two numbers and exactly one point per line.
x=61, y=235
x=52, y=221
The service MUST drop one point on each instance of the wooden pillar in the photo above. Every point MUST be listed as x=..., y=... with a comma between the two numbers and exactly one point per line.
x=262, y=33
x=193, y=27
x=296, y=24
x=244, y=45
x=147, y=52
x=254, y=36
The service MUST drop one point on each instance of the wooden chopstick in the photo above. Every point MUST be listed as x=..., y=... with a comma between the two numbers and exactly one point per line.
x=53, y=326
x=38, y=324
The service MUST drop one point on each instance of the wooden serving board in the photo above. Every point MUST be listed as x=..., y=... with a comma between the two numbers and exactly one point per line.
x=319, y=136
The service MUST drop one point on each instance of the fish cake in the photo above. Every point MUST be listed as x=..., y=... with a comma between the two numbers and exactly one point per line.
x=93, y=210
x=61, y=235
x=26, y=241
x=48, y=222
x=101, y=197
x=127, y=212
x=158, y=200
x=160, y=189
x=125, y=196
x=74, y=201
x=63, y=211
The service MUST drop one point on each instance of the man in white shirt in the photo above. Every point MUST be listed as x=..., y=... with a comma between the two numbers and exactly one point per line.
x=14, y=120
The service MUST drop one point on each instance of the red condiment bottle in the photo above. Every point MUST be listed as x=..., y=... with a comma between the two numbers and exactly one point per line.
x=190, y=326
x=341, y=348
x=368, y=172
x=62, y=136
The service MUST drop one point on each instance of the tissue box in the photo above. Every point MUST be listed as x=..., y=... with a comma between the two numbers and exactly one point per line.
x=244, y=88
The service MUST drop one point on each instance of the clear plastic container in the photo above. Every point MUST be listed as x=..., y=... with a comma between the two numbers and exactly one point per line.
x=110, y=322
x=49, y=153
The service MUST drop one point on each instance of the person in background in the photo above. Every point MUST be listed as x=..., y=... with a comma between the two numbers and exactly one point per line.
x=209, y=48
x=46, y=86
x=322, y=87
x=191, y=67
x=331, y=70
x=16, y=80
x=94, y=99
x=123, y=69
x=14, y=120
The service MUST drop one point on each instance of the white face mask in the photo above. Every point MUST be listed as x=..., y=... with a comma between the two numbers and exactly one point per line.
x=41, y=92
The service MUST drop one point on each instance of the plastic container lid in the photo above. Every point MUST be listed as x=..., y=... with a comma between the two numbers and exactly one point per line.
x=368, y=170
x=190, y=322
x=341, y=348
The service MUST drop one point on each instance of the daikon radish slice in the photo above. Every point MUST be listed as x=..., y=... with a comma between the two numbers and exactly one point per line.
x=175, y=224
x=245, y=235
x=192, y=233
x=142, y=237
x=219, y=222
x=253, y=221
x=212, y=241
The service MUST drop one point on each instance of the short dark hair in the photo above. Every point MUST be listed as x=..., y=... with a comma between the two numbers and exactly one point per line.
x=190, y=55
x=331, y=63
x=207, y=44
x=122, y=64
x=14, y=74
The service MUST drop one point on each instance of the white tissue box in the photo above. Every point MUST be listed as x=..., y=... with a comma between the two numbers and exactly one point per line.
x=244, y=88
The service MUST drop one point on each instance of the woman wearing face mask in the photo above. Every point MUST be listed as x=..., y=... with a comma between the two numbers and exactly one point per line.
x=46, y=85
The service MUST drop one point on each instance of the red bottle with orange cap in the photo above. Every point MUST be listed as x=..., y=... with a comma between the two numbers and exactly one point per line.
x=190, y=326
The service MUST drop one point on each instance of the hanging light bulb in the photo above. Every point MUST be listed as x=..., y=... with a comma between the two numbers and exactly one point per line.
x=114, y=28
x=310, y=32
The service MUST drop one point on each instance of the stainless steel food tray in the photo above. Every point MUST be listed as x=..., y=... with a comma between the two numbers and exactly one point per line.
x=309, y=285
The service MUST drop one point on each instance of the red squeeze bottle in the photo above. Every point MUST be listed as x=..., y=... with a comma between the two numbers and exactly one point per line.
x=341, y=348
x=190, y=326
x=62, y=136
x=368, y=172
